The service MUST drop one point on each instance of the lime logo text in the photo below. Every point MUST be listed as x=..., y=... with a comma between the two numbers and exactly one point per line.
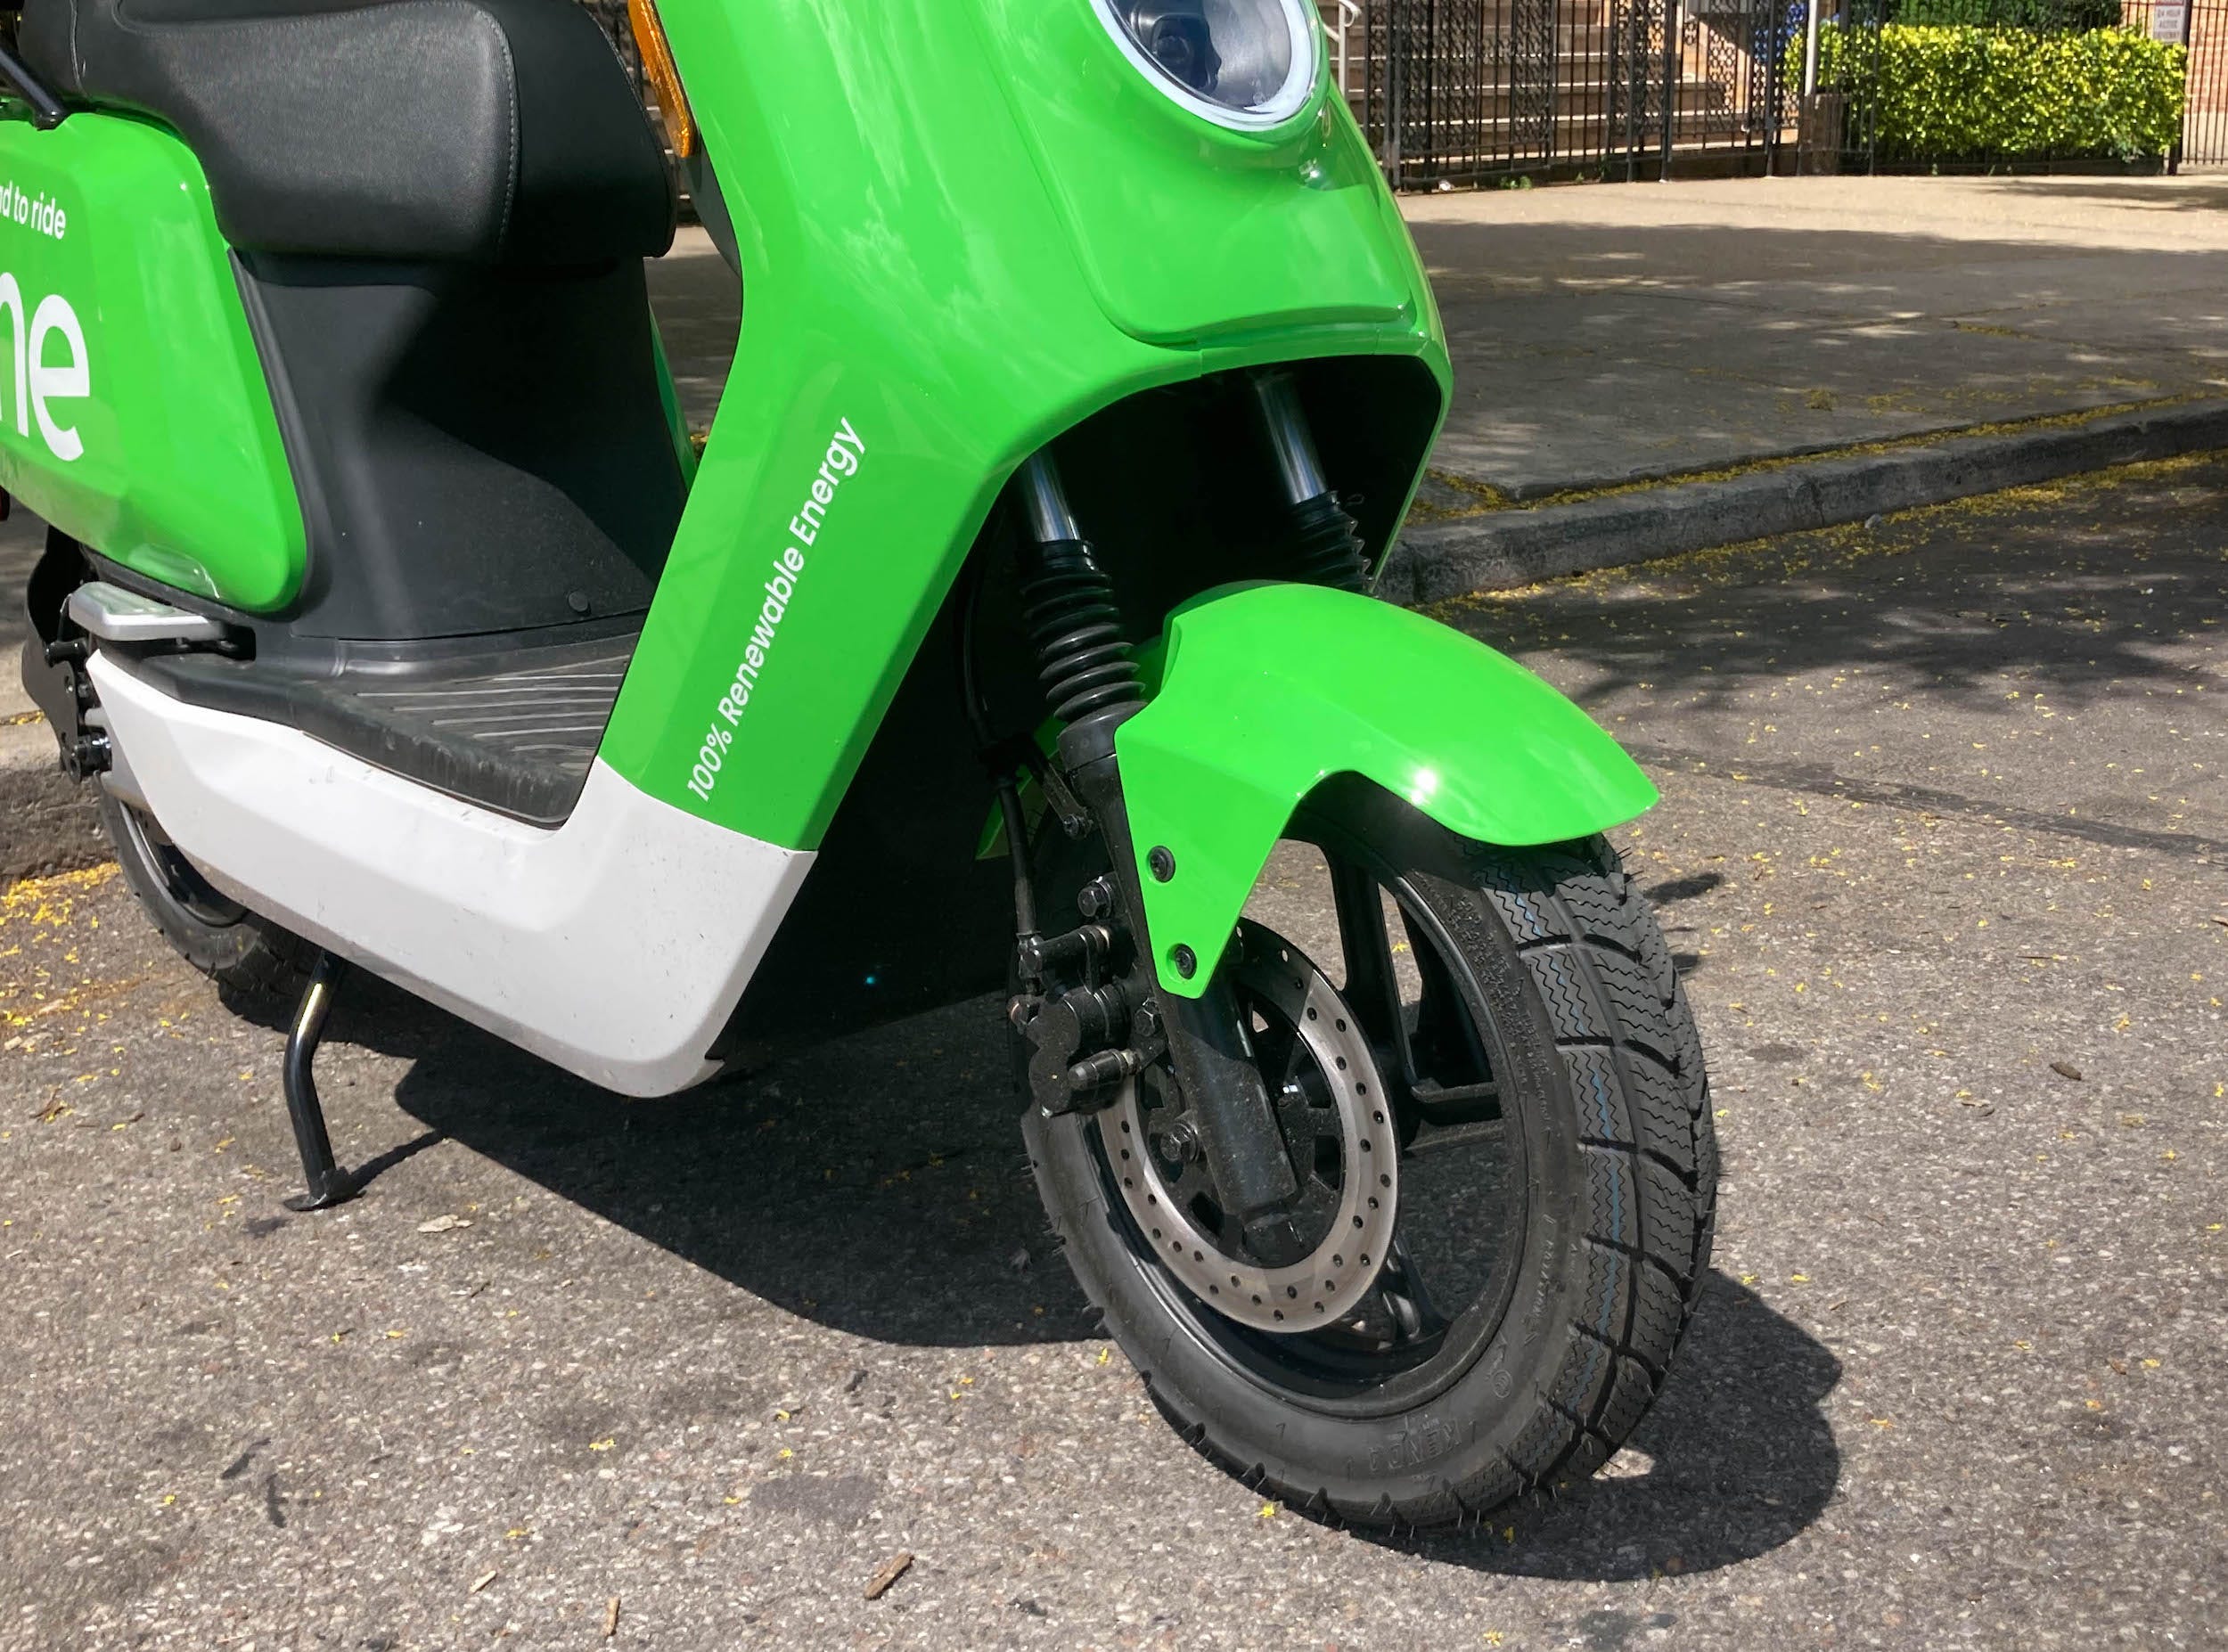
x=50, y=367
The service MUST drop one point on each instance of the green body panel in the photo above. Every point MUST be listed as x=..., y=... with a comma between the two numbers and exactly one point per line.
x=1186, y=231
x=167, y=456
x=912, y=280
x=1266, y=692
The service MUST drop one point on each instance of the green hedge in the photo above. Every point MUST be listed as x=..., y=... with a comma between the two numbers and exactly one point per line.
x=2044, y=17
x=1963, y=94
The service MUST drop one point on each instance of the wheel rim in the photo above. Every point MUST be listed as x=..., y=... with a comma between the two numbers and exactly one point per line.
x=1444, y=1275
x=181, y=882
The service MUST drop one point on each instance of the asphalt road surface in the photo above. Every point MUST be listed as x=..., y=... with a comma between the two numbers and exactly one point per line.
x=1943, y=848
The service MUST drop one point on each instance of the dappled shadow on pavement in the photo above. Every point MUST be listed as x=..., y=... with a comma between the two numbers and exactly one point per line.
x=1736, y=1458
x=2090, y=593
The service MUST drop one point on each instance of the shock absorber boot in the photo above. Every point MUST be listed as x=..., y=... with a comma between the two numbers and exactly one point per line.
x=1327, y=549
x=1090, y=678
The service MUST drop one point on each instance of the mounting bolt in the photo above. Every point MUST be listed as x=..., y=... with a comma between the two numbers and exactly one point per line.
x=1162, y=862
x=86, y=756
x=1181, y=1142
x=1186, y=961
x=1095, y=899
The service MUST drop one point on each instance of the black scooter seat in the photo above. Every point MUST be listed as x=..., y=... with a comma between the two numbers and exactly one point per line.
x=416, y=131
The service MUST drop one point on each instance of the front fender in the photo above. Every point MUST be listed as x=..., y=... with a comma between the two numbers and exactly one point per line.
x=1267, y=691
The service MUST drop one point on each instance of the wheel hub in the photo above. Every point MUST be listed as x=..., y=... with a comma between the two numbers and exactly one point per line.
x=1335, y=1072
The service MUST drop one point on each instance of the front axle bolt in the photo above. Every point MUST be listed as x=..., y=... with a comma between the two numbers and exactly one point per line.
x=1181, y=1143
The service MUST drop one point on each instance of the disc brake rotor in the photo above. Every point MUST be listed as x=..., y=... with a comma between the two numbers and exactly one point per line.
x=1322, y=1288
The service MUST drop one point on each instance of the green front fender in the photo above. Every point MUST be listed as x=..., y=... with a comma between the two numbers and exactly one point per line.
x=1267, y=691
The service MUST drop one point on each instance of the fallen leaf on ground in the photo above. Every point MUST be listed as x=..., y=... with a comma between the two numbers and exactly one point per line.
x=2066, y=1070
x=443, y=1224
x=893, y=1568
x=610, y=1618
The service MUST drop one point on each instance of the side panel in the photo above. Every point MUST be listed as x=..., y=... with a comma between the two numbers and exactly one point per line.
x=1266, y=691
x=133, y=413
x=617, y=946
x=918, y=324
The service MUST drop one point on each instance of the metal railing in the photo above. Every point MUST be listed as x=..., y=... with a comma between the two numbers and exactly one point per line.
x=2203, y=27
x=1464, y=90
x=1339, y=20
x=1456, y=91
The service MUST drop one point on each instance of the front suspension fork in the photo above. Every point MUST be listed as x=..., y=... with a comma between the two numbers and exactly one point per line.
x=1092, y=685
x=1326, y=547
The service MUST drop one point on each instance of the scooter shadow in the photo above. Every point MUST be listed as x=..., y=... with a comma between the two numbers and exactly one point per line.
x=877, y=1186
x=1736, y=1458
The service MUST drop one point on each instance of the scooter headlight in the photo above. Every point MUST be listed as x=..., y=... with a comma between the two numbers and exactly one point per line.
x=1243, y=63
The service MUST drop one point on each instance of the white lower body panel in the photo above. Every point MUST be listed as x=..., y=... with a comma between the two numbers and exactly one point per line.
x=616, y=947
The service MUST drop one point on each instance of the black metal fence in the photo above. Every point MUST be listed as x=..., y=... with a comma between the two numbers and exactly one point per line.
x=1458, y=92
x=2205, y=120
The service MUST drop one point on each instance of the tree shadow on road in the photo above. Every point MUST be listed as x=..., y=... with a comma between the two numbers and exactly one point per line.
x=2084, y=588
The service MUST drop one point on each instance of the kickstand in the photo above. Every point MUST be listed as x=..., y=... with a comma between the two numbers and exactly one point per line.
x=329, y=1185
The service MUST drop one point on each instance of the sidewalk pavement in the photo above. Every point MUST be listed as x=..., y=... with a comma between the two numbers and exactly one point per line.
x=1608, y=333
x=1645, y=368
x=1924, y=337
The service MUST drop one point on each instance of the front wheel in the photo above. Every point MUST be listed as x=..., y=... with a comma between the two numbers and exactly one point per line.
x=246, y=956
x=1497, y=1243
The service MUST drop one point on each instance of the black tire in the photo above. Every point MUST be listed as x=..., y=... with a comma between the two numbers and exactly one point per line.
x=1604, y=1096
x=247, y=956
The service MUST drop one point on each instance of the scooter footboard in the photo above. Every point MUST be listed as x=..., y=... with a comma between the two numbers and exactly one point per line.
x=616, y=946
x=134, y=414
x=1267, y=691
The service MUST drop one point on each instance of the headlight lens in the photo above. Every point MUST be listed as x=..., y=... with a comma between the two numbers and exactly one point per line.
x=1240, y=63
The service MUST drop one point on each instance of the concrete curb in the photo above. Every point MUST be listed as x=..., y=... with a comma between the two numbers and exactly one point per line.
x=1502, y=549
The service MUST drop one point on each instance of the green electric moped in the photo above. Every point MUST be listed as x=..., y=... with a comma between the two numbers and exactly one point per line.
x=1010, y=637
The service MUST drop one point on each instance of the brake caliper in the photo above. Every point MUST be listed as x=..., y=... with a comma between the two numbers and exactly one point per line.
x=1088, y=1033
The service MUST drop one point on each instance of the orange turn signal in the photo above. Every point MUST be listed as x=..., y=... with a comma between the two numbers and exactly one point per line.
x=657, y=62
